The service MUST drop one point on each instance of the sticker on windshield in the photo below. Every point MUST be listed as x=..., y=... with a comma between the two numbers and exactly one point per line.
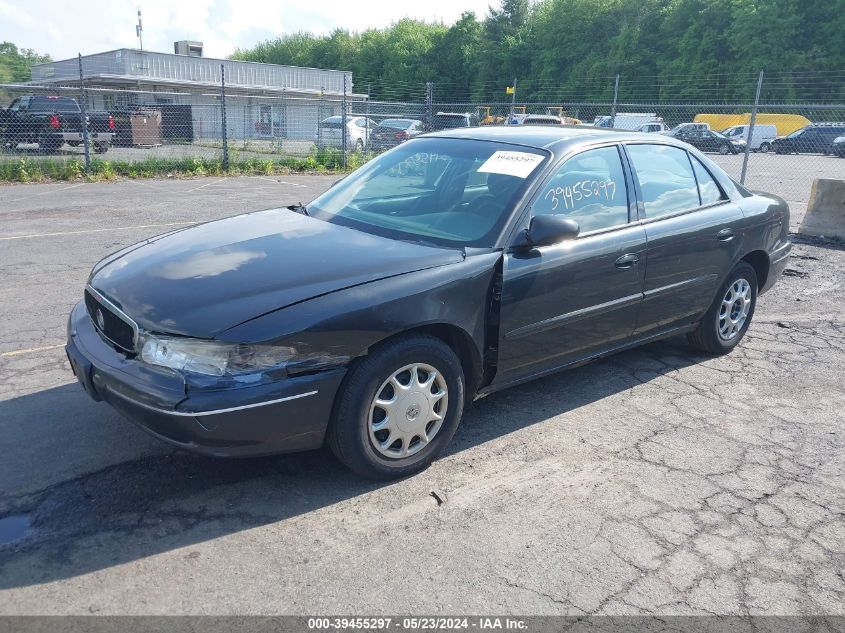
x=519, y=164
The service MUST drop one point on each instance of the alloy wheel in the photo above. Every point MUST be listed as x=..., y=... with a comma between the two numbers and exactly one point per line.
x=733, y=313
x=408, y=411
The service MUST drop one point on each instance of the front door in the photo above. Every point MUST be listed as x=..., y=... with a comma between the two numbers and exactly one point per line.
x=264, y=126
x=693, y=230
x=569, y=300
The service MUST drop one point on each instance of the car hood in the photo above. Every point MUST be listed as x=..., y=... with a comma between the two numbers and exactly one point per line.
x=208, y=278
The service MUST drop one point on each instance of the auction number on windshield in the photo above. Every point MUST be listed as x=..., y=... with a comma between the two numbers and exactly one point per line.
x=571, y=195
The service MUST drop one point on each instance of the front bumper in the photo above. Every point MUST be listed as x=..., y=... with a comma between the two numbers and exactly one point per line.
x=283, y=416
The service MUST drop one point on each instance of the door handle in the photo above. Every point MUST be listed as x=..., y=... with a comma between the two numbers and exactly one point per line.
x=629, y=260
x=725, y=235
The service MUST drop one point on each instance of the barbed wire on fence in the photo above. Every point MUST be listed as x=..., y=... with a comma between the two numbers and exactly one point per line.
x=139, y=123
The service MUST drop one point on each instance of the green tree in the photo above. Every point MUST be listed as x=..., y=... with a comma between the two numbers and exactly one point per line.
x=15, y=64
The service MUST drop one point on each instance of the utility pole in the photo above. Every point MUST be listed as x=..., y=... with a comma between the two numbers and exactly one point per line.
x=513, y=100
x=139, y=29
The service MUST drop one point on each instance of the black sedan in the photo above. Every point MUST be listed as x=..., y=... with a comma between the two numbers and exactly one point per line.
x=812, y=139
x=450, y=267
x=710, y=141
x=391, y=132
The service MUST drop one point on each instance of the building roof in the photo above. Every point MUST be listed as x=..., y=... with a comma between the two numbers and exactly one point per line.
x=132, y=65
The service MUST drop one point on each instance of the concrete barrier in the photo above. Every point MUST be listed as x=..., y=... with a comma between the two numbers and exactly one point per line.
x=826, y=209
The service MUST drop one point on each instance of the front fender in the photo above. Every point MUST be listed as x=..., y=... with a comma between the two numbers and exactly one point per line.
x=346, y=323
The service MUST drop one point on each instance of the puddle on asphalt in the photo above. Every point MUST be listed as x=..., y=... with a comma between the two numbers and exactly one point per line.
x=13, y=528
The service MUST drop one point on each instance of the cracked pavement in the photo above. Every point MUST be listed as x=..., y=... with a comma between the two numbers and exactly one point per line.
x=657, y=481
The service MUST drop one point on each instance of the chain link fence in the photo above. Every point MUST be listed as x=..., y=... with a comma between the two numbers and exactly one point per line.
x=778, y=145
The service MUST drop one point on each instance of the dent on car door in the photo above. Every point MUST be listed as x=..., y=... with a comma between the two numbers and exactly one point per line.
x=565, y=301
x=693, y=231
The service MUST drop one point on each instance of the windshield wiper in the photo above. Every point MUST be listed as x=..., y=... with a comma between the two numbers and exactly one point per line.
x=299, y=208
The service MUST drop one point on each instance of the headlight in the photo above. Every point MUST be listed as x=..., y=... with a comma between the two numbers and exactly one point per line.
x=839, y=139
x=211, y=358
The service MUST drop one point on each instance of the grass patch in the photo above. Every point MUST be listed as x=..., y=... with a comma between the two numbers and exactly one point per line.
x=323, y=160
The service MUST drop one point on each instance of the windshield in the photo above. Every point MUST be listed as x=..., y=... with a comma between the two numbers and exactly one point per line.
x=732, y=131
x=796, y=133
x=449, y=192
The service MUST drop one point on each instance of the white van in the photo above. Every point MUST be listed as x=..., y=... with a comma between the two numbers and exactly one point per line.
x=763, y=136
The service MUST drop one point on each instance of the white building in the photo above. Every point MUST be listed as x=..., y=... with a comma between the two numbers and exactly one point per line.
x=262, y=100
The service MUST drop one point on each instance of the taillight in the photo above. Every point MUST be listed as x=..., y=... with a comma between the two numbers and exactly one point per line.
x=111, y=122
x=402, y=136
x=54, y=121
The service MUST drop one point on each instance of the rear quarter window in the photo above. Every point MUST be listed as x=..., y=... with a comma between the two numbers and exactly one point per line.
x=666, y=179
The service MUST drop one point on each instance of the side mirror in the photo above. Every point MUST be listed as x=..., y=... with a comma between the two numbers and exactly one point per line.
x=550, y=229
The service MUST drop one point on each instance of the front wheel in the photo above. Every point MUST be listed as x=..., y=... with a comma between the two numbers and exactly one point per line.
x=398, y=408
x=101, y=148
x=766, y=148
x=728, y=317
x=359, y=146
x=724, y=150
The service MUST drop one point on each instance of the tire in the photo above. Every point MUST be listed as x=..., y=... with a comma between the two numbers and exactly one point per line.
x=710, y=336
x=48, y=145
x=725, y=150
x=765, y=148
x=350, y=435
x=101, y=148
x=359, y=146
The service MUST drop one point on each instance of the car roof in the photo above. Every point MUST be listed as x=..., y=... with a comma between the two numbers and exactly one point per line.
x=551, y=137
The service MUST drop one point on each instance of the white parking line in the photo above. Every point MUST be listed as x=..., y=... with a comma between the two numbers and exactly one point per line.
x=30, y=350
x=114, y=228
x=44, y=193
x=208, y=184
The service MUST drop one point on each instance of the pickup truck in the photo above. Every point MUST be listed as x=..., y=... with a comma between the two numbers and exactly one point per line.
x=52, y=121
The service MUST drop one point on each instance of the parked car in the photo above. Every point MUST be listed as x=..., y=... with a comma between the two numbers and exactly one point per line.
x=839, y=146
x=654, y=127
x=368, y=318
x=813, y=139
x=763, y=136
x=452, y=120
x=51, y=121
x=542, y=119
x=627, y=120
x=358, y=129
x=683, y=128
x=710, y=141
x=391, y=132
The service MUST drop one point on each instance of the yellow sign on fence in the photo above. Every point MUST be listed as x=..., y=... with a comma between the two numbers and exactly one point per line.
x=509, y=90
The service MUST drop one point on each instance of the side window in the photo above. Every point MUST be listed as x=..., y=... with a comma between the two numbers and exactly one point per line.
x=15, y=105
x=666, y=179
x=707, y=187
x=588, y=188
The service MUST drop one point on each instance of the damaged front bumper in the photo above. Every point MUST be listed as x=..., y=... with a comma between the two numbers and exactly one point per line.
x=276, y=417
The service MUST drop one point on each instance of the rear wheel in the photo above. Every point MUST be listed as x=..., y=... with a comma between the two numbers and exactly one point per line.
x=398, y=408
x=727, y=319
x=359, y=146
x=766, y=147
x=101, y=148
x=48, y=144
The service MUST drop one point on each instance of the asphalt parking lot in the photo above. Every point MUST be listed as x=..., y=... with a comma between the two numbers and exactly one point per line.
x=656, y=481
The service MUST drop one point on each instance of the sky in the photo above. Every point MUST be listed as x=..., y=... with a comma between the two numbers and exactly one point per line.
x=63, y=28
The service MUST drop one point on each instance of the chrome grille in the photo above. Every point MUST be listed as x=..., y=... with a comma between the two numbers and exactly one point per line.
x=116, y=328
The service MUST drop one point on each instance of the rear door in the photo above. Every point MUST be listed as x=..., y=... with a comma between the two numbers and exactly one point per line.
x=566, y=301
x=693, y=233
